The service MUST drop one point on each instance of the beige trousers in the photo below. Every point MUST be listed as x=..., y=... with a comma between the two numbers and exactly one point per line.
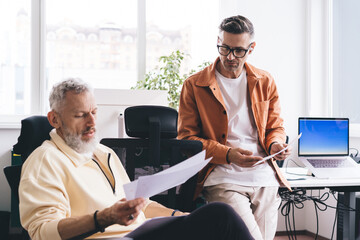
x=257, y=206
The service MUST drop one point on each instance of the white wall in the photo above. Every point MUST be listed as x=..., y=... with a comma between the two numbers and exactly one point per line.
x=355, y=143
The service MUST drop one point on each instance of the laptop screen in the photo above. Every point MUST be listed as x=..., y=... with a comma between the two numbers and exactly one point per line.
x=323, y=137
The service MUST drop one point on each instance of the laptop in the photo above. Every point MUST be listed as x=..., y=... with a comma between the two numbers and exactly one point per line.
x=324, y=147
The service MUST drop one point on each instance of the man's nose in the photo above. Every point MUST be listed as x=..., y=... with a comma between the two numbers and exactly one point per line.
x=231, y=55
x=91, y=119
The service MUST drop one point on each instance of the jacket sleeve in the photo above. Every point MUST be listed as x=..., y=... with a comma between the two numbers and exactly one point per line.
x=275, y=131
x=190, y=125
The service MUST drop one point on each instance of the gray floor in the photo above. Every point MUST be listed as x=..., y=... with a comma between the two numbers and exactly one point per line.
x=298, y=237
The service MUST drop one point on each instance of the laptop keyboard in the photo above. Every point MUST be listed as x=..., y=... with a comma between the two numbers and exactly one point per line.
x=333, y=163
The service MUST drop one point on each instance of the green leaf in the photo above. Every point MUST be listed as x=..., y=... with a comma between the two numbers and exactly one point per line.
x=167, y=77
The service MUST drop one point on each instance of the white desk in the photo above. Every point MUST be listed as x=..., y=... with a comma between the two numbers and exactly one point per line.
x=348, y=186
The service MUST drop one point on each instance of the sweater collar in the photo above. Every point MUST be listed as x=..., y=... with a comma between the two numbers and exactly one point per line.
x=76, y=158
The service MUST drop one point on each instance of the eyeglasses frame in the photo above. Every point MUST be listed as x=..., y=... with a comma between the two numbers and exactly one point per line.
x=231, y=50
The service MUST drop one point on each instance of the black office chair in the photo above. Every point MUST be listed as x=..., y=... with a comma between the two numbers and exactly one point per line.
x=34, y=130
x=153, y=147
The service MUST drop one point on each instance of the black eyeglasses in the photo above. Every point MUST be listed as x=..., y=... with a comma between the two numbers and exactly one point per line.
x=237, y=52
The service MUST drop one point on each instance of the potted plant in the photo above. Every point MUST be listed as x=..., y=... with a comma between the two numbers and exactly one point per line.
x=168, y=77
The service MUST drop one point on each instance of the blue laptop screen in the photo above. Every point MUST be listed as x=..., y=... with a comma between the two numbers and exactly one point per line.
x=323, y=137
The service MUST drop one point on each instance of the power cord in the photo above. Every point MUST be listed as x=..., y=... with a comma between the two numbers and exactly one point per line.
x=292, y=200
x=355, y=155
x=286, y=168
x=296, y=198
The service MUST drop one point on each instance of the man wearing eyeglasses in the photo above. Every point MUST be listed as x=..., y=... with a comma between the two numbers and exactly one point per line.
x=234, y=109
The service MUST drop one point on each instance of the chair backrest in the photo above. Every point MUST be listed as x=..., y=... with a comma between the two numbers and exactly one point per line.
x=145, y=121
x=154, y=123
x=34, y=131
x=153, y=146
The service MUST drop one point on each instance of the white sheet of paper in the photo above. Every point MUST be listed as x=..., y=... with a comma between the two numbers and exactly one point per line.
x=273, y=155
x=147, y=186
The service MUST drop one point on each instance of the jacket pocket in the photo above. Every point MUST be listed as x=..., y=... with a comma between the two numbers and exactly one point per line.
x=262, y=109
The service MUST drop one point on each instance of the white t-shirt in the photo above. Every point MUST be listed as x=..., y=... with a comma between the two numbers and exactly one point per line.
x=242, y=133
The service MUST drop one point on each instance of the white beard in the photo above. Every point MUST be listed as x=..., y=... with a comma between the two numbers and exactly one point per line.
x=74, y=141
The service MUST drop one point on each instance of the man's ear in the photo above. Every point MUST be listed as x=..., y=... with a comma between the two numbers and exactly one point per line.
x=252, y=47
x=218, y=41
x=54, y=119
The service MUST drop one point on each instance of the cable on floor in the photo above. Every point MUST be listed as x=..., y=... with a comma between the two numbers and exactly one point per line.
x=296, y=199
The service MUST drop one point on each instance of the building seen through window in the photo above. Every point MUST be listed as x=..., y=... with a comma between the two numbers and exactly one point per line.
x=104, y=55
x=15, y=57
x=99, y=44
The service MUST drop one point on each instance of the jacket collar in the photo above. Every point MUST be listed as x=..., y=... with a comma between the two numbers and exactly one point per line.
x=253, y=77
x=76, y=158
x=207, y=76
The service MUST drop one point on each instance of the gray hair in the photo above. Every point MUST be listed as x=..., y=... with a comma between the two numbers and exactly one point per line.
x=59, y=90
x=237, y=25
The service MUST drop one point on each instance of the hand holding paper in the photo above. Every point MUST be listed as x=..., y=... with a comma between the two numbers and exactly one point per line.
x=271, y=156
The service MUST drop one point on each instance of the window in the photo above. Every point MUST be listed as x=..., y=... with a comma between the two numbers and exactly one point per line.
x=187, y=25
x=15, y=57
x=43, y=42
x=89, y=44
x=346, y=61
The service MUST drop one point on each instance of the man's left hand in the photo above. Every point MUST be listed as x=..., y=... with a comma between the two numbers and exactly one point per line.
x=276, y=147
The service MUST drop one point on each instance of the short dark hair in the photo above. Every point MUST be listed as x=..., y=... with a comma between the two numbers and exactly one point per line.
x=237, y=25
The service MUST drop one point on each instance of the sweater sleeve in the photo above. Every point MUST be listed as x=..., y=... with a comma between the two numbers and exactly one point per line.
x=43, y=199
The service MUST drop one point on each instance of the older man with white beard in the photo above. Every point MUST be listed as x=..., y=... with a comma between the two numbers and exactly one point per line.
x=72, y=187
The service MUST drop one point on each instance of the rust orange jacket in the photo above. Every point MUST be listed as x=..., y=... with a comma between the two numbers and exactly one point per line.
x=202, y=116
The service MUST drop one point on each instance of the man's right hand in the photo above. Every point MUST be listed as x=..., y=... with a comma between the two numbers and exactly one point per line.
x=119, y=213
x=123, y=212
x=242, y=157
